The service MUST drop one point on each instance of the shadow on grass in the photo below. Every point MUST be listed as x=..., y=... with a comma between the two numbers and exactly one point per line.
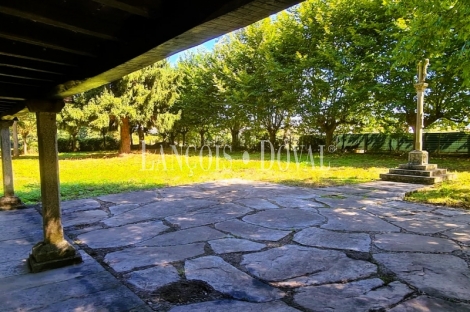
x=71, y=191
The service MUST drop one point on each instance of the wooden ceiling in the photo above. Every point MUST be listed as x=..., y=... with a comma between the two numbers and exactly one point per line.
x=57, y=48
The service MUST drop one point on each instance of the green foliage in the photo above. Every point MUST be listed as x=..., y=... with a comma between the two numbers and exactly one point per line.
x=27, y=132
x=432, y=27
x=88, y=144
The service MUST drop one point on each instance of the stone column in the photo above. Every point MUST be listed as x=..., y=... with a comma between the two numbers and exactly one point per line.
x=54, y=251
x=8, y=201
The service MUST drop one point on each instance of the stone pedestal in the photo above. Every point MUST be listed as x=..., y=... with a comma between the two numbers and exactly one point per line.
x=54, y=251
x=51, y=256
x=11, y=203
x=418, y=158
x=8, y=201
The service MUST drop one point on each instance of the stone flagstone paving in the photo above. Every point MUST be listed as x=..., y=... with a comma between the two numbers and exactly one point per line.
x=237, y=245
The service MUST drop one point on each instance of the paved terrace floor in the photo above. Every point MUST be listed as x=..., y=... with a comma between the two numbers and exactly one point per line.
x=244, y=246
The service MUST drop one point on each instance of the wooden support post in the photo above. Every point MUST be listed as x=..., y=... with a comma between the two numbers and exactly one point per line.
x=8, y=201
x=54, y=251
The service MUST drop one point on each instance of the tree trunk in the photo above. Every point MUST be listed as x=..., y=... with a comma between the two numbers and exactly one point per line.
x=104, y=140
x=16, y=152
x=141, y=133
x=125, y=145
x=171, y=138
x=272, y=137
x=184, y=137
x=74, y=142
x=329, y=137
x=25, y=144
x=235, y=139
x=201, y=133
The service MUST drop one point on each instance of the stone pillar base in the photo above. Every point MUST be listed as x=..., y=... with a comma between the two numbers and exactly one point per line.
x=48, y=256
x=418, y=158
x=11, y=203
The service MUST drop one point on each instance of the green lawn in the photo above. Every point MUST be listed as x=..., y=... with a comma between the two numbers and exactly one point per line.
x=85, y=175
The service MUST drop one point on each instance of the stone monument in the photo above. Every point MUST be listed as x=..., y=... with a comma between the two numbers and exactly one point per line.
x=418, y=169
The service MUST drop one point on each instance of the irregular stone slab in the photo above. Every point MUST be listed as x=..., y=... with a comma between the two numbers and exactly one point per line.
x=122, y=236
x=43, y=295
x=257, y=203
x=16, y=249
x=250, y=231
x=387, y=194
x=345, y=201
x=449, y=212
x=12, y=268
x=383, y=211
x=227, y=245
x=411, y=242
x=229, y=280
x=83, y=230
x=347, y=189
x=285, y=219
x=364, y=295
x=193, y=235
x=387, y=185
x=118, y=209
x=290, y=261
x=298, y=192
x=425, y=223
x=439, y=275
x=18, y=215
x=355, y=220
x=83, y=217
x=209, y=215
x=342, y=270
x=159, y=210
x=409, y=206
x=316, y=237
x=180, y=192
x=87, y=267
x=428, y=304
x=153, y=278
x=133, y=216
x=295, y=202
x=132, y=258
x=115, y=299
x=79, y=205
x=461, y=234
x=234, y=306
x=31, y=231
x=140, y=197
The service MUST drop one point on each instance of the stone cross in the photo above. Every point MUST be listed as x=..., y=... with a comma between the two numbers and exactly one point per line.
x=418, y=156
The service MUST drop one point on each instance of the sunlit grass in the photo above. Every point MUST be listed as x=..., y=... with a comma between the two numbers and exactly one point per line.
x=85, y=175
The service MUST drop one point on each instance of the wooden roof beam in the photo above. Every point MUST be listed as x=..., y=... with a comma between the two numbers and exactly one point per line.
x=54, y=23
x=44, y=44
x=124, y=7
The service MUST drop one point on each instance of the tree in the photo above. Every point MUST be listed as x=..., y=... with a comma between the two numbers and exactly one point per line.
x=139, y=98
x=75, y=115
x=26, y=129
x=197, y=94
x=431, y=27
x=16, y=152
x=447, y=96
x=266, y=82
x=338, y=43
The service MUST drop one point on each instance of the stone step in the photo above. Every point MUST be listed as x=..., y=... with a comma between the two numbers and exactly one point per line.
x=424, y=173
x=415, y=179
x=418, y=167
